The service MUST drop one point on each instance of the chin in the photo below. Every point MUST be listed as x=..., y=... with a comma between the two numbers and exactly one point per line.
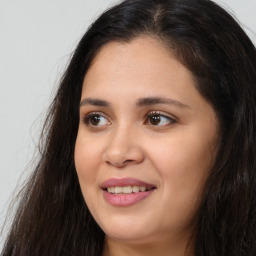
x=131, y=236
x=130, y=231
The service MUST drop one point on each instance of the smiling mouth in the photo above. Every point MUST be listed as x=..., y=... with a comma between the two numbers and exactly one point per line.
x=125, y=192
x=128, y=189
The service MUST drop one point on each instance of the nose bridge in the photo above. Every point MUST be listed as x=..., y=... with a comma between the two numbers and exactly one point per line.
x=123, y=147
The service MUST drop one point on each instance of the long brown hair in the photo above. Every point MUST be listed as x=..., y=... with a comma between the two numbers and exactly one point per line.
x=52, y=217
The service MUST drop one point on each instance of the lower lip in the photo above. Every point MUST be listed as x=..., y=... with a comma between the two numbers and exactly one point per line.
x=125, y=199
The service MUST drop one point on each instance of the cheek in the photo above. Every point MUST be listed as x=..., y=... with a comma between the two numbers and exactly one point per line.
x=184, y=161
x=183, y=155
x=87, y=162
x=87, y=159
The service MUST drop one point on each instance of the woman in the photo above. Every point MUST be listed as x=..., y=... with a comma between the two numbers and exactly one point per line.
x=149, y=142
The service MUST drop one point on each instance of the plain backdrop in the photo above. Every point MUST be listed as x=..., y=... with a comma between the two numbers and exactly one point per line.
x=36, y=41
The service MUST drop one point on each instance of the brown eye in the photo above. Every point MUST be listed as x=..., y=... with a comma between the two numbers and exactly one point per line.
x=154, y=120
x=159, y=119
x=95, y=119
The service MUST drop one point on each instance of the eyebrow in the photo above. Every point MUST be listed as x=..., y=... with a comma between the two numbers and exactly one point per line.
x=159, y=100
x=147, y=101
x=94, y=102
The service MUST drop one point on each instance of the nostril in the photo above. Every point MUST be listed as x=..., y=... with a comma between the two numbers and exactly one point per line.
x=128, y=161
x=118, y=165
x=121, y=164
x=121, y=156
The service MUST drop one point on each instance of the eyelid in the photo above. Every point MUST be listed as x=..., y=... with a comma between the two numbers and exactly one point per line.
x=172, y=118
x=86, y=117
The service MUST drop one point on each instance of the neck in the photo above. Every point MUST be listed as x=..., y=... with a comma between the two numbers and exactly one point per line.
x=161, y=248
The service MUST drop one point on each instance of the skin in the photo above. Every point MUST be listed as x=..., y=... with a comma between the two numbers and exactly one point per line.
x=175, y=154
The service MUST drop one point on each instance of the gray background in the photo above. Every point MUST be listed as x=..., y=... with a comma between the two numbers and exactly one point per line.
x=36, y=40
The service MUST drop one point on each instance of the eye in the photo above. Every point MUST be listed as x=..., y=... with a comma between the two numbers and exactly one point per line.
x=95, y=119
x=159, y=119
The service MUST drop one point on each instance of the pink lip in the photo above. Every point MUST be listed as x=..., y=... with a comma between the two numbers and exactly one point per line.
x=125, y=199
x=121, y=182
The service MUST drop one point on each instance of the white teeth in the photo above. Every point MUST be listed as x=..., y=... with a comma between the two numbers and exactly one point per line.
x=126, y=189
x=111, y=189
x=118, y=190
x=142, y=189
x=135, y=189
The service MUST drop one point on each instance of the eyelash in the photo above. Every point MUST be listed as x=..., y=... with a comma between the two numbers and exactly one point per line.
x=171, y=120
x=87, y=118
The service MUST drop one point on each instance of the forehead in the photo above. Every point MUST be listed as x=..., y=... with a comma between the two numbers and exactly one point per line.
x=142, y=63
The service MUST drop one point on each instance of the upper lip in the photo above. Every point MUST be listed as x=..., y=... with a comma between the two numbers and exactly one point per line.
x=121, y=182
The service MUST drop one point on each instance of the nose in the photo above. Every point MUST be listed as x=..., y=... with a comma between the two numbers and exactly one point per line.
x=123, y=148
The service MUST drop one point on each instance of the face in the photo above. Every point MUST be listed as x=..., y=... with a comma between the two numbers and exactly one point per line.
x=145, y=143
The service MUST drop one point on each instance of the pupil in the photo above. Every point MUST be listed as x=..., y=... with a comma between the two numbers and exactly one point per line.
x=155, y=120
x=95, y=119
